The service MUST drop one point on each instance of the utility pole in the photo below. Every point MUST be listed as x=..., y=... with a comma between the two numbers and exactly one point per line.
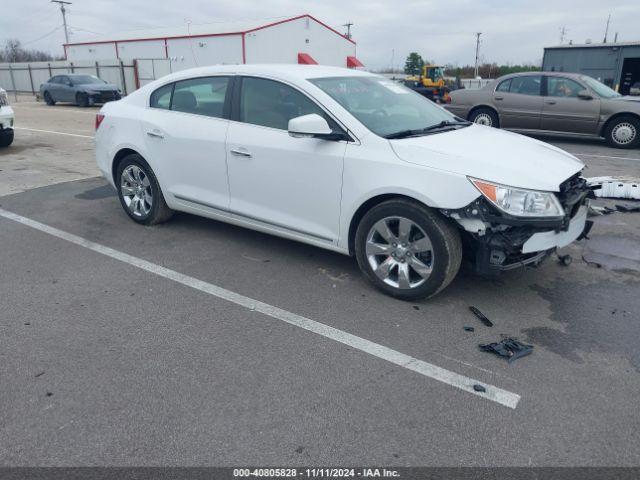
x=64, y=17
x=349, y=24
x=477, y=52
x=606, y=32
x=563, y=33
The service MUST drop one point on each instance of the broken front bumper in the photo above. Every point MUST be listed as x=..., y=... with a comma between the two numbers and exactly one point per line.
x=501, y=242
x=549, y=240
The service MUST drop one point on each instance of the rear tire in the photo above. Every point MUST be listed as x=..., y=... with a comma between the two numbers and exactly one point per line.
x=139, y=192
x=49, y=99
x=623, y=132
x=407, y=250
x=485, y=116
x=6, y=137
x=82, y=100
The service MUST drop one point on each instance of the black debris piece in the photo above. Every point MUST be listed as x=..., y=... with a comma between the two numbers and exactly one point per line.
x=49, y=394
x=565, y=260
x=508, y=348
x=416, y=307
x=627, y=208
x=587, y=228
x=39, y=374
x=469, y=329
x=481, y=316
x=479, y=388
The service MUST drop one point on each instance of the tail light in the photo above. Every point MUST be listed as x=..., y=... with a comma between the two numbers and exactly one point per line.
x=99, y=119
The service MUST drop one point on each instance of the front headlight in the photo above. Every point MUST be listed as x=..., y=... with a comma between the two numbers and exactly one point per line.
x=4, y=99
x=520, y=202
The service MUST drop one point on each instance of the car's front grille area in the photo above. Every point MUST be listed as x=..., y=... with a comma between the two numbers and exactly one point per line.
x=572, y=195
x=103, y=97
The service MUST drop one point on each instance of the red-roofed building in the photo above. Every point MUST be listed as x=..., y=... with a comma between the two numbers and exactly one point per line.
x=301, y=39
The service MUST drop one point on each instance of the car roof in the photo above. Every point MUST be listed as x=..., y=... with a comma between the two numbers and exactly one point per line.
x=549, y=74
x=291, y=71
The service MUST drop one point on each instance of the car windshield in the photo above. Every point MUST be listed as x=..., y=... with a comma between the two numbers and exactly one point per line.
x=385, y=107
x=600, y=88
x=85, y=79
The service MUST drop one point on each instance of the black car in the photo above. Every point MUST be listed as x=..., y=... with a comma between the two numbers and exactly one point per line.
x=83, y=90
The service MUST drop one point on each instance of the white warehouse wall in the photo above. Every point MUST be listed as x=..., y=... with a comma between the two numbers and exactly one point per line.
x=203, y=51
x=142, y=49
x=94, y=51
x=282, y=43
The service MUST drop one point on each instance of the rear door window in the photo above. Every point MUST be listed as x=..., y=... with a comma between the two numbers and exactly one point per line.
x=201, y=96
x=504, y=86
x=161, y=98
x=526, y=85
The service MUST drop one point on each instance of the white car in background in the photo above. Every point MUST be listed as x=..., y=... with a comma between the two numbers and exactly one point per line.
x=344, y=160
x=6, y=120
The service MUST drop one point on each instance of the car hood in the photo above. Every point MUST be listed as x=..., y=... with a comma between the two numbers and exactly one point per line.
x=490, y=154
x=96, y=87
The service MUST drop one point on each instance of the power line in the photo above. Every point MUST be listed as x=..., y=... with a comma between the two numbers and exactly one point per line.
x=43, y=36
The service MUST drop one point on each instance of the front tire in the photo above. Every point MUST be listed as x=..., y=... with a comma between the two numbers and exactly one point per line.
x=139, y=192
x=407, y=250
x=623, y=132
x=485, y=116
x=82, y=100
x=49, y=99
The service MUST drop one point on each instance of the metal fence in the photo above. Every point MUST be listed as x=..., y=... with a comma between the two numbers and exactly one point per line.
x=474, y=83
x=27, y=77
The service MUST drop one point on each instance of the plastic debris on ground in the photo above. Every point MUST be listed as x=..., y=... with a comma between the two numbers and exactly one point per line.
x=481, y=316
x=615, y=187
x=509, y=348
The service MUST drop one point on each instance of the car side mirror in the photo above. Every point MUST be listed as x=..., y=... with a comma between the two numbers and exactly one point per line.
x=585, y=95
x=312, y=126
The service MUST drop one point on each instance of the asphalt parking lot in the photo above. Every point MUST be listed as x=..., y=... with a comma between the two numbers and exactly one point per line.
x=200, y=343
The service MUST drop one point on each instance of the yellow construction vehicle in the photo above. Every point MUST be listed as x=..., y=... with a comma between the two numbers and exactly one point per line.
x=430, y=83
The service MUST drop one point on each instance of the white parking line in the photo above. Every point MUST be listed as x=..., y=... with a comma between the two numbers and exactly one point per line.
x=54, y=132
x=495, y=394
x=606, y=156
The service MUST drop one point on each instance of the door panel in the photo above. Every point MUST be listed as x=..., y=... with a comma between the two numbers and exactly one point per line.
x=563, y=111
x=188, y=155
x=186, y=140
x=284, y=181
x=521, y=106
x=293, y=183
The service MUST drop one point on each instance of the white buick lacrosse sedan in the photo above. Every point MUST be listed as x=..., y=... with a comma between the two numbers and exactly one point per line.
x=343, y=160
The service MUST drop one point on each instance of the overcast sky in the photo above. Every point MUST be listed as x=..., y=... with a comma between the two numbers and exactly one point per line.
x=442, y=30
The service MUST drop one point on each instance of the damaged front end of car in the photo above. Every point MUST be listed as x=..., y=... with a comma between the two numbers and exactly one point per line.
x=497, y=240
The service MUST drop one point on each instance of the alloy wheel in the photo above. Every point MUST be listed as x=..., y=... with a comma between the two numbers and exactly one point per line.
x=135, y=188
x=399, y=252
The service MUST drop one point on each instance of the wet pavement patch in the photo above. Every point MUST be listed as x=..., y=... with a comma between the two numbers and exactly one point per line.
x=586, y=322
x=613, y=252
x=104, y=191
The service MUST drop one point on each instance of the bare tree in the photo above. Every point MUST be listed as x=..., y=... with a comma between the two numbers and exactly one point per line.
x=13, y=52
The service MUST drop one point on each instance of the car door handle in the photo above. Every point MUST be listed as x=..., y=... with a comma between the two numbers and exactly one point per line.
x=240, y=153
x=550, y=102
x=499, y=98
x=155, y=133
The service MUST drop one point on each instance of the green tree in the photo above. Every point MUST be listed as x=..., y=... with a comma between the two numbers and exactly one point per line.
x=414, y=64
